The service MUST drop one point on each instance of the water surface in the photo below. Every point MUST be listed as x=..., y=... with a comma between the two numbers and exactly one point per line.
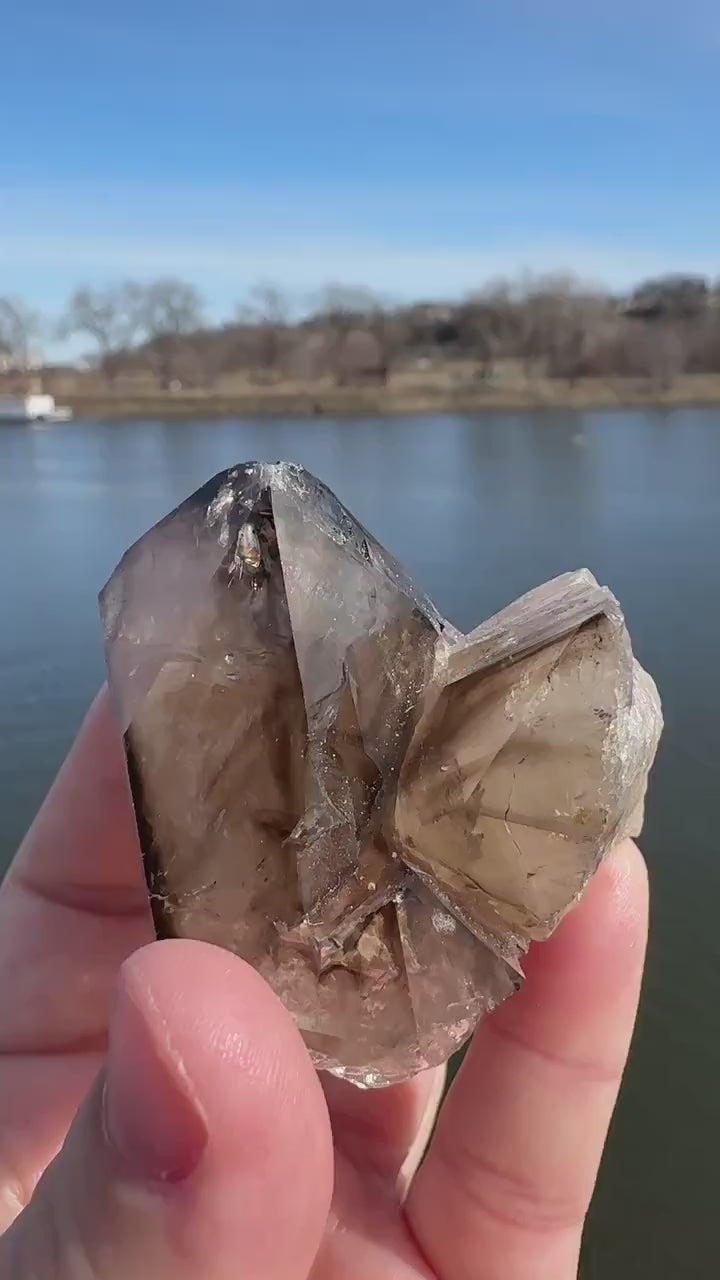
x=479, y=509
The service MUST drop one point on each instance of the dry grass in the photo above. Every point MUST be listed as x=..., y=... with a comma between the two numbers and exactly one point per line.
x=450, y=387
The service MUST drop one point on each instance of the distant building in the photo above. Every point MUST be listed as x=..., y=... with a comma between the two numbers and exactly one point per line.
x=432, y=311
x=669, y=297
x=432, y=325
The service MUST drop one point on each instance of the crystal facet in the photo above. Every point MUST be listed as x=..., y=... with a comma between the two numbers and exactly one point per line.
x=375, y=811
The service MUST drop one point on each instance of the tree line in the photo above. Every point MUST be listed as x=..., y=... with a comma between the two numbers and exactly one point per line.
x=553, y=326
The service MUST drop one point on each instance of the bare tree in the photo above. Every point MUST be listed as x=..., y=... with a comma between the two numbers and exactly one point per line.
x=557, y=318
x=360, y=357
x=268, y=314
x=20, y=327
x=169, y=306
x=109, y=316
x=657, y=351
x=487, y=325
x=168, y=311
x=268, y=303
x=556, y=325
x=345, y=307
x=209, y=353
x=339, y=310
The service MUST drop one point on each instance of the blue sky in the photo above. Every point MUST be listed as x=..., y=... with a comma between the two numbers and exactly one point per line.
x=418, y=149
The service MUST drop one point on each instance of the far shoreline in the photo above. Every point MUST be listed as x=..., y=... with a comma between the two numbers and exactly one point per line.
x=282, y=401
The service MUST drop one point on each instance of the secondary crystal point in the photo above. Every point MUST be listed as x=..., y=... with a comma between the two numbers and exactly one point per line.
x=375, y=811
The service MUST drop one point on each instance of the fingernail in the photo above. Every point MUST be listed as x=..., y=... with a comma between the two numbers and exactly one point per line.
x=152, y=1119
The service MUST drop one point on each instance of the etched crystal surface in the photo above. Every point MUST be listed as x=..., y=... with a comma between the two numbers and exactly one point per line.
x=377, y=812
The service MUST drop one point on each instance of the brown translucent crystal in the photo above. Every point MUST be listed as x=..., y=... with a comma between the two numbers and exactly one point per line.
x=377, y=812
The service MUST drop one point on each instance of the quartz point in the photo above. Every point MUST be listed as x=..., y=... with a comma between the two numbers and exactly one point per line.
x=377, y=812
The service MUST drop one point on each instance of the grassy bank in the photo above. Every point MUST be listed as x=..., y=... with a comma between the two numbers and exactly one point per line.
x=449, y=391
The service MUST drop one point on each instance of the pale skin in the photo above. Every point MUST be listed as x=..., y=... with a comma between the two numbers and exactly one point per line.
x=160, y=1118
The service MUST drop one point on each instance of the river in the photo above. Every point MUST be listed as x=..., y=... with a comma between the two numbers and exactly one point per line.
x=479, y=509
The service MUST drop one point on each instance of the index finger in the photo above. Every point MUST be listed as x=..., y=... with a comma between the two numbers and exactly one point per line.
x=73, y=904
x=82, y=847
x=72, y=908
x=511, y=1168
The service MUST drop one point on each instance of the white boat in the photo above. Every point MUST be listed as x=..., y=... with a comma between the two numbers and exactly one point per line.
x=33, y=408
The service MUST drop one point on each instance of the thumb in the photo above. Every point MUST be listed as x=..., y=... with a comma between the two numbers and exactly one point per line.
x=204, y=1150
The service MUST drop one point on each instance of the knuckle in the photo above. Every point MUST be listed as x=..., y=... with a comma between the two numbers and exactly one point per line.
x=509, y=1196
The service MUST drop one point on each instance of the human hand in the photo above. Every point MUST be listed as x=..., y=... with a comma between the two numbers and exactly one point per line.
x=207, y=1148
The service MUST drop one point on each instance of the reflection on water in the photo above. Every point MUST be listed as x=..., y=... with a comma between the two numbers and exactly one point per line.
x=479, y=509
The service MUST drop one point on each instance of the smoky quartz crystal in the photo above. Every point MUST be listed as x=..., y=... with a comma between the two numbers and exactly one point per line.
x=377, y=812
